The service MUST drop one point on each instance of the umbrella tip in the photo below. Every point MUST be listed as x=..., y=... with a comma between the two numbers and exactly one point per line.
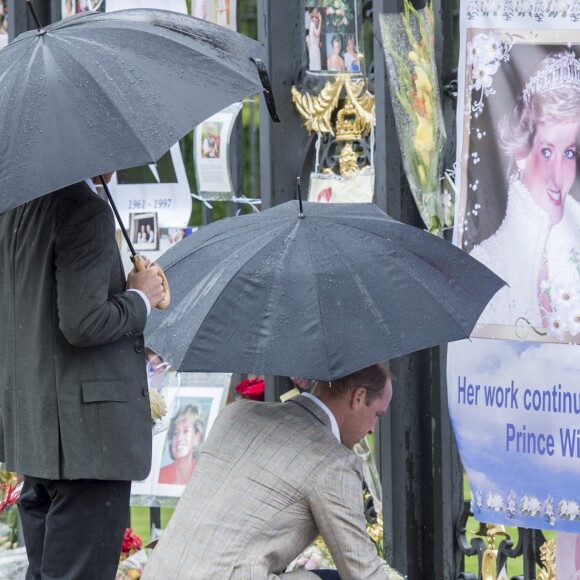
x=268, y=95
x=299, y=192
x=41, y=30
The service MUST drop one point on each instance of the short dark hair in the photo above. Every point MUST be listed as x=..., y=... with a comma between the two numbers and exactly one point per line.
x=372, y=378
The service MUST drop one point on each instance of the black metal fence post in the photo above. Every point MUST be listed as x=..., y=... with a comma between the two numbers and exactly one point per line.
x=20, y=19
x=282, y=145
x=418, y=460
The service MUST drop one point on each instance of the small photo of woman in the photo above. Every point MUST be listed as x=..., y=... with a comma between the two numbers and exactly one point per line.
x=351, y=55
x=313, y=44
x=335, y=62
x=144, y=231
x=183, y=442
x=210, y=140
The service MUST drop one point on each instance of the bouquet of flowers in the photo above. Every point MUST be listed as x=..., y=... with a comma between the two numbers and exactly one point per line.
x=316, y=556
x=9, y=518
x=131, y=543
x=374, y=523
x=159, y=417
x=563, y=292
x=251, y=389
x=157, y=370
x=133, y=558
x=408, y=42
x=132, y=567
x=338, y=15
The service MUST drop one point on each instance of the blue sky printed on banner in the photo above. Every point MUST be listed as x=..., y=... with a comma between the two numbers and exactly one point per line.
x=519, y=446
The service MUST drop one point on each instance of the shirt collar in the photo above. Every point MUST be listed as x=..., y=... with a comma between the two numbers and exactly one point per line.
x=333, y=423
x=90, y=183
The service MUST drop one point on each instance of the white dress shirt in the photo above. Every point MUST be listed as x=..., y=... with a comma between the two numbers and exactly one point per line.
x=333, y=423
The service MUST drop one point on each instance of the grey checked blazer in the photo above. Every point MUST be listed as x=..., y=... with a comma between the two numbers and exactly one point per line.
x=271, y=477
x=73, y=388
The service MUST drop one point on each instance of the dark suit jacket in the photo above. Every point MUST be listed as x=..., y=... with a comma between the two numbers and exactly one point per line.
x=73, y=389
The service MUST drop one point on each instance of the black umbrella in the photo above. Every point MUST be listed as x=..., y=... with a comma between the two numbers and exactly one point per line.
x=318, y=295
x=99, y=92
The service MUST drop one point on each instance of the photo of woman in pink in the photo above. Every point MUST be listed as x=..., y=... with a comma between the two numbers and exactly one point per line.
x=536, y=247
x=184, y=438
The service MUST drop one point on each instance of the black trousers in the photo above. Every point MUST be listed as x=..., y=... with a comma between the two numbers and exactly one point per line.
x=73, y=529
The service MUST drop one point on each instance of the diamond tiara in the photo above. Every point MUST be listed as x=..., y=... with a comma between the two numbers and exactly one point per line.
x=562, y=72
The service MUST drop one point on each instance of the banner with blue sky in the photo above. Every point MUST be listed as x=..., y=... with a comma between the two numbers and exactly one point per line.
x=514, y=388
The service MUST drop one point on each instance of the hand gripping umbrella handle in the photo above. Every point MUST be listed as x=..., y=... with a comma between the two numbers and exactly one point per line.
x=137, y=260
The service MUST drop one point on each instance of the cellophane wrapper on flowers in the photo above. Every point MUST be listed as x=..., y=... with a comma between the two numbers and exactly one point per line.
x=8, y=510
x=410, y=58
x=133, y=557
x=315, y=557
x=131, y=568
x=159, y=416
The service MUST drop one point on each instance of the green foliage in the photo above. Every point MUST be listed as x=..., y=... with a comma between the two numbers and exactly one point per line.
x=141, y=521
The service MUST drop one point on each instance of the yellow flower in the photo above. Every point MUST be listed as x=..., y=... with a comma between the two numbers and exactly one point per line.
x=158, y=405
x=428, y=109
x=375, y=533
x=421, y=173
x=422, y=82
x=424, y=141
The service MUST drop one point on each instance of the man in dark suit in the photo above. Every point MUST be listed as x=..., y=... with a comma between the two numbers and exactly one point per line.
x=74, y=405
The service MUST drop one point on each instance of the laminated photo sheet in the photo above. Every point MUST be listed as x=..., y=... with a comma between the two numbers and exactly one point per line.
x=211, y=154
x=222, y=12
x=333, y=38
x=201, y=393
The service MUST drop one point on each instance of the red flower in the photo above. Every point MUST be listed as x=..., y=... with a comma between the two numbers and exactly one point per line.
x=131, y=543
x=12, y=495
x=251, y=389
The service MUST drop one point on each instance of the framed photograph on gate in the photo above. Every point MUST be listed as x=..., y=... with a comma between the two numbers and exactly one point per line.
x=509, y=198
x=175, y=456
x=333, y=33
x=144, y=231
x=193, y=402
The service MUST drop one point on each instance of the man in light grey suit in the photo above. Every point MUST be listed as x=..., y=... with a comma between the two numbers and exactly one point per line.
x=74, y=405
x=271, y=477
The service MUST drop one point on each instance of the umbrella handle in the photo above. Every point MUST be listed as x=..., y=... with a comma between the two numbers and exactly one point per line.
x=137, y=260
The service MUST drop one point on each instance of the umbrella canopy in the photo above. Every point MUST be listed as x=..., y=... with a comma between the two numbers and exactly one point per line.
x=318, y=296
x=99, y=92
